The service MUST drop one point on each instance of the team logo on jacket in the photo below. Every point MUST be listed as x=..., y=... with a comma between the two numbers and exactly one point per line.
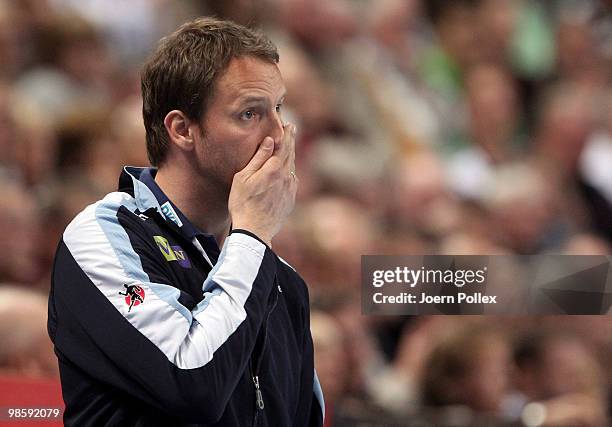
x=169, y=213
x=172, y=253
x=134, y=295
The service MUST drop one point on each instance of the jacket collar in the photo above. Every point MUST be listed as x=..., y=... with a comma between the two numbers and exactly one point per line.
x=140, y=183
x=129, y=182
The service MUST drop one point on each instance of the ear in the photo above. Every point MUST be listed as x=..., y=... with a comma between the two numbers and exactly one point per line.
x=178, y=126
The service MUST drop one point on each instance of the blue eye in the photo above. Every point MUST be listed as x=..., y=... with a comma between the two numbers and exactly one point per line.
x=247, y=115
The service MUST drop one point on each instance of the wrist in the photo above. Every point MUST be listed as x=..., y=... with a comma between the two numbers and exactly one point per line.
x=253, y=233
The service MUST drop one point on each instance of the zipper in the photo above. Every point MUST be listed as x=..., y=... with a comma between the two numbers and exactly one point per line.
x=259, y=402
x=258, y=397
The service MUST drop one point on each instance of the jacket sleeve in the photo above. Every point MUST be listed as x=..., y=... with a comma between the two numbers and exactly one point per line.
x=311, y=411
x=186, y=362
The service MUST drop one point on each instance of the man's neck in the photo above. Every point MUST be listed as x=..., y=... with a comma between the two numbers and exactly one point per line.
x=201, y=202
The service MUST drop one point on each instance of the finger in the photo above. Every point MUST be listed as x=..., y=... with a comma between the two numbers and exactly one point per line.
x=263, y=153
x=283, y=151
x=293, y=147
x=287, y=145
x=290, y=159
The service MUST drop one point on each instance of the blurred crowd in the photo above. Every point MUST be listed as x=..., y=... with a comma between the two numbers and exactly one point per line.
x=424, y=126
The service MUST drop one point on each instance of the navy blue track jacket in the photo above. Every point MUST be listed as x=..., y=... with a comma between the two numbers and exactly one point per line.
x=153, y=325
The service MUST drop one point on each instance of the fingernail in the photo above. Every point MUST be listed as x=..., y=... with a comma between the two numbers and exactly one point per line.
x=267, y=143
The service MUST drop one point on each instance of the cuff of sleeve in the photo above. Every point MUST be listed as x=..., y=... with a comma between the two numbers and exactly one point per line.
x=248, y=233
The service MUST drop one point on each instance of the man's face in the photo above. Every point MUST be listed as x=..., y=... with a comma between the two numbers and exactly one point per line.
x=245, y=108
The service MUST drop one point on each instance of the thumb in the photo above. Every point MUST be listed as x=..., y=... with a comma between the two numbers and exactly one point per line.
x=263, y=153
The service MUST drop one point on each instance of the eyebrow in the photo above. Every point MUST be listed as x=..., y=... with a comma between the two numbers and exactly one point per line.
x=252, y=99
x=257, y=99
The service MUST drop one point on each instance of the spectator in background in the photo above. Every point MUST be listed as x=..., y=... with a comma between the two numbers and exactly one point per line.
x=566, y=120
x=561, y=139
x=426, y=127
x=335, y=225
x=305, y=91
x=74, y=70
x=8, y=132
x=319, y=25
x=470, y=369
x=499, y=20
x=457, y=48
x=26, y=350
x=85, y=138
x=579, y=59
x=558, y=370
x=330, y=359
x=19, y=228
x=523, y=206
x=493, y=103
x=128, y=27
x=422, y=198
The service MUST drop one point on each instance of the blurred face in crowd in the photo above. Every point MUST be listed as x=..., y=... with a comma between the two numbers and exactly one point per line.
x=307, y=91
x=7, y=125
x=498, y=19
x=424, y=201
x=319, y=23
x=567, y=366
x=492, y=102
x=330, y=357
x=458, y=33
x=244, y=109
x=471, y=369
x=26, y=349
x=576, y=53
x=487, y=383
x=18, y=225
x=566, y=123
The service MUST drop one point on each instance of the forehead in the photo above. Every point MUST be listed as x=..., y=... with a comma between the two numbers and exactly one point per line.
x=249, y=76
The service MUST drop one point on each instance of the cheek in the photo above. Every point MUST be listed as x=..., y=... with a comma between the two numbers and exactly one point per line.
x=245, y=143
x=229, y=146
x=246, y=150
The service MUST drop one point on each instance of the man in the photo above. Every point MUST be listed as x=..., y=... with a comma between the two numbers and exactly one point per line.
x=152, y=323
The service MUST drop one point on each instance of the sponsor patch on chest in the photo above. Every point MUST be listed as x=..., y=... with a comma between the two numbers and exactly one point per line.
x=172, y=252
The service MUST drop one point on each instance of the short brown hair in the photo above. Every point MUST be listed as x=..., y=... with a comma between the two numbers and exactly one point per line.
x=181, y=73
